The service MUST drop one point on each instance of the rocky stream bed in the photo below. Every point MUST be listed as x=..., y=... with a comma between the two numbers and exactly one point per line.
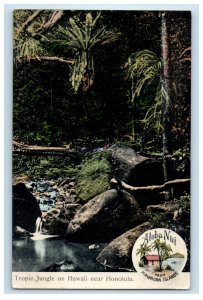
x=97, y=235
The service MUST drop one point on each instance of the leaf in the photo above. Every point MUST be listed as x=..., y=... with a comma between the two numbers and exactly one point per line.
x=96, y=19
x=80, y=33
x=88, y=29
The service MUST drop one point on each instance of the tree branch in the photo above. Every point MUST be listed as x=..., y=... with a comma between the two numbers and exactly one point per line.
x=18, y=147
x=56, y=15
x=54, y=58
x=114, y=37
x=48, y=58
x=159, y=188
x=29, y=20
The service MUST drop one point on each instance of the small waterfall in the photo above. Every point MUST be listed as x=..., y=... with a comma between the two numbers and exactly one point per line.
x=38, y=226
x=38, y=235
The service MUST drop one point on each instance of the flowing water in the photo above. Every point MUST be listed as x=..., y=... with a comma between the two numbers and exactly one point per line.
x=38, y=235
x=41, y=251
x=38, y=226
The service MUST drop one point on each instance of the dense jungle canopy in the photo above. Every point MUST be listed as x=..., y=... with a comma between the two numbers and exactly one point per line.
x=90, y=78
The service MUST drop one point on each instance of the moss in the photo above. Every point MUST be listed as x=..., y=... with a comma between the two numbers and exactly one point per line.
x=93, y=176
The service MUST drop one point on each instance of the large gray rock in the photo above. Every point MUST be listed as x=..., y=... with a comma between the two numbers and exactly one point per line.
x=19, y=232
x=56, y=220
x=117, y=255
x=63, y=266
x=105, y=217
x=25, y=208
x=135, y=169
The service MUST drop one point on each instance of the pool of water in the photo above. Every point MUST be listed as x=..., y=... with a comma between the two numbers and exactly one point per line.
x=35, y=255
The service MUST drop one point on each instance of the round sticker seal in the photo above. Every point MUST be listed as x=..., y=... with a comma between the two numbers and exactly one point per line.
x=159, y=254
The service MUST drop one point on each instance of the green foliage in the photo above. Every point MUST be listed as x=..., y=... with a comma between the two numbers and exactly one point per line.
x=153, y=114
x=37, y=167
x=26, y=45
x=182, y=152
x=93, y=176
x=157, y=220
x=163, y=251
x=47, y=136
x=144, y=68
x=48, y=111
x=82, y=38
x=61, y=172
x=184, y=203
x=143, y=250
x=184, y=210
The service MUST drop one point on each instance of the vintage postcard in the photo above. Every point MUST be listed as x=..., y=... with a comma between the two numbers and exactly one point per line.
x=101, y=149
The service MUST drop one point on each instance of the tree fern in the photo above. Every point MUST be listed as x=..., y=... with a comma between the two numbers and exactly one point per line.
x=144, y=68
x=82, y=38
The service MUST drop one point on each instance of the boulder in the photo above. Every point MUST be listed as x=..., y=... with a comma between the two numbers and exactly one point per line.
x=168, y=208
x=63, y=266
x=25, y=208
x=105, y=217
x=56, y=220
x=70, y=199
x=19, y=232
x=117, y=255
x=135, y=169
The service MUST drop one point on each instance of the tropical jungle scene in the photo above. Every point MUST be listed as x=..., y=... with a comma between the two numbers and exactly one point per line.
x=101, y=135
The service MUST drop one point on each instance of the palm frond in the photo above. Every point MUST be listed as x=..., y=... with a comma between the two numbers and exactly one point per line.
x=88, y=29
x=153, y=115
x=70, y=36
x=143, y=68
x=78, y=31
x=82, y=37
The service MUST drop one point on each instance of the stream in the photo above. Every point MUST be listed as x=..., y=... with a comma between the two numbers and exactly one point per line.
x=40, y=251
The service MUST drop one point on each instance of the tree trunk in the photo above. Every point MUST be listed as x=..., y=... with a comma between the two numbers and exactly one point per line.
x=166, y=94
x=133, y=109
x=160, y=265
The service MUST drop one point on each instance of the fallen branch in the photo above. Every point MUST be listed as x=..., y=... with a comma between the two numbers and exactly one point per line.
x=18, y=147
x=53, y=58
x=47, y=58
x=159, y=188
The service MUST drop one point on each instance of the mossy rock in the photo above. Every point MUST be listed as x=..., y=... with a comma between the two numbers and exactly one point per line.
x=93, y=177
